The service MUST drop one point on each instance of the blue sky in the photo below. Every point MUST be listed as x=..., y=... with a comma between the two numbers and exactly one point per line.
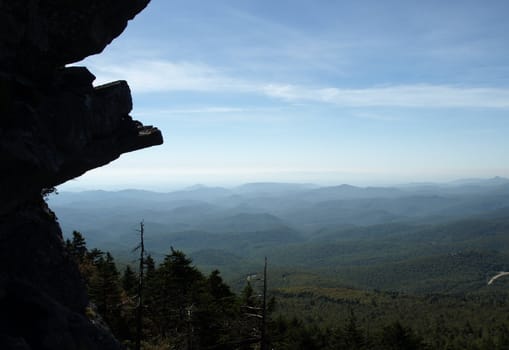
x=330, y=92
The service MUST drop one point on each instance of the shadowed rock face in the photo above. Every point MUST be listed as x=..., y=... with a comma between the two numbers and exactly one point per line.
x=38, y=35
x=56, y=130
x=54, y=126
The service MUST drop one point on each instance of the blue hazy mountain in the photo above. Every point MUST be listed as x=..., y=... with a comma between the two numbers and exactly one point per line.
x=308, y=228
x=261, y=206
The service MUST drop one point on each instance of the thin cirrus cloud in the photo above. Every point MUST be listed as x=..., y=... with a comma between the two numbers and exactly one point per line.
x=148, y=76
x=420, y=95
x=185, y=111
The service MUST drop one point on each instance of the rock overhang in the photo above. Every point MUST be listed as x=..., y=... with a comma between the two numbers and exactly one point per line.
x=54, y=124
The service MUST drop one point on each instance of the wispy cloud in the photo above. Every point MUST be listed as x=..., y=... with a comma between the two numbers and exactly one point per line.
x=200, y=110
x=376, y=116
x=148, y=76
x=431, y=96
x=218, y=114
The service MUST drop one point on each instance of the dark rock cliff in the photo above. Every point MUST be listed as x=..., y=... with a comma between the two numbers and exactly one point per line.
x=54, y=126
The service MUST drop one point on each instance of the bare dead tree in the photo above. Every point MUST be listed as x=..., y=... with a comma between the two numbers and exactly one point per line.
x=139, y=296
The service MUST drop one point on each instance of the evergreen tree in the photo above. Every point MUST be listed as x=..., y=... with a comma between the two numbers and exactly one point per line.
x=150, y=267
x=176, y=297
x=77, y=247
x=216, y=317
x=247, y=295
x=397, y=337
x=350, y=336
x=151, y=330
x=129, y=281
x=105, y=291
x=219, y=290
x=150, y=278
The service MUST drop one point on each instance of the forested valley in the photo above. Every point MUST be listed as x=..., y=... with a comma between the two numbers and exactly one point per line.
x=182, y=308
x=348, y=268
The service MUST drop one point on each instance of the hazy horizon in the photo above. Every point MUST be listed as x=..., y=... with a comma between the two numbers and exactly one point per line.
x=82, y=183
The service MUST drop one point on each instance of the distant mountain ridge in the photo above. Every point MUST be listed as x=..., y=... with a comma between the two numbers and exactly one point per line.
x=313, y=229
x=304, y=207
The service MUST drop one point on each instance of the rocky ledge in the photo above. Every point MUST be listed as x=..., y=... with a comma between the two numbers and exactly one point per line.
x=54, y=126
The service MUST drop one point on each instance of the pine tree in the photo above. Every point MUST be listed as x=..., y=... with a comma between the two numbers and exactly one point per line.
x=150, y=266
x=217, y=288
x=77, y=247
x=129, y=281
x=105, y=291
x=350, y=336
x=176, y=297
x=150, y=299
x=217, y=313
x=397, y=337
x=247, y=295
